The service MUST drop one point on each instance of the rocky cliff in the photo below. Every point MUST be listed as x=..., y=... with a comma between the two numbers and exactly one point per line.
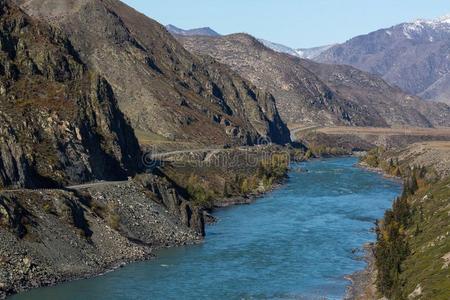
x=160, y=86
x=60, y=123
x=309, y=93
x=51, y=236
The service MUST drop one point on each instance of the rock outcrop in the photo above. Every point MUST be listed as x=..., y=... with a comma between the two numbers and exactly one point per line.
x=53, y=236
x=60, y=125
x=59, y=122
x=162, y=88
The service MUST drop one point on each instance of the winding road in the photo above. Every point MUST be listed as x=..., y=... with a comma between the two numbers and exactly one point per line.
x=153, y=156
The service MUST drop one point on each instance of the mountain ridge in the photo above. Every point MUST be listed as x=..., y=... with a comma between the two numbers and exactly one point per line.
x=307, y=95
x=307, y=53
x=411, y=55
x=166, y=91
x=60, y=120
x=207, y=31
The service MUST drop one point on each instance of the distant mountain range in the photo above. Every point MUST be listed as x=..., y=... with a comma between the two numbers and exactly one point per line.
x=318, y=94
x=414, y=56
x=312, y=53
x=309, y=53
x=206, y=31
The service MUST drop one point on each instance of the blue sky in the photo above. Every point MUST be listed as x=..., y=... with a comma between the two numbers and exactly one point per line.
x=295, y=23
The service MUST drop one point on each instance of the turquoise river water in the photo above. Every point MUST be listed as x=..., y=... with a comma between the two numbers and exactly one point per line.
x=296, y=242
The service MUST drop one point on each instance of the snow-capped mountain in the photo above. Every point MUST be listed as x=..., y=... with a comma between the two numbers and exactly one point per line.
x=430, y=29
x=414, y=56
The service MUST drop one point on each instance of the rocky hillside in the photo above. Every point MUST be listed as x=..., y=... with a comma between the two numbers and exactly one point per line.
x=390, y=102
x=413, y=56
x=51, y=236
x=413, y=250
x=160, y=87
x=307, y=53
x=60, y=123
x=310, y=93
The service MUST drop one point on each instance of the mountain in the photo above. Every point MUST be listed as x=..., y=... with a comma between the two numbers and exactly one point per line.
x=312, y=53
x=372, y=92
x=319, y=94
x=162, y=88
x=307, y=53
x=279, y=47
x=197, y=31
x=60, y=122
x=413, y=56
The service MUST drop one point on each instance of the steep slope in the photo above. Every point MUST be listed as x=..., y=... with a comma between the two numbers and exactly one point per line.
x=312, y=53
x=310, y=93
x=196, y=31
x=396, y=107
x=160, y=86
x=59, y=122
x=60, y=125
x=279, y=47
x=412, y=250
x=306, y=53
x=413, y=56
x=439, y=91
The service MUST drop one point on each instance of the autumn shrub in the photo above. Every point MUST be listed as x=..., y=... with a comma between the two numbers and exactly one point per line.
x=199, y=193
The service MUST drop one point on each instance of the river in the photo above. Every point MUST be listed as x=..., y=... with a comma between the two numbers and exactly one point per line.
x=296, y=242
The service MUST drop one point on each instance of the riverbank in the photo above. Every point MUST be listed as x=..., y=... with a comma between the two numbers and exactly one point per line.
x=422, y=212
x=55, y=236
x=363, y=283
x=272, y=248
x=109, y=218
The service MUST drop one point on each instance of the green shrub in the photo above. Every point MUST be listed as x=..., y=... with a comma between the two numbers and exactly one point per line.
x=199, y=193
x=392, y=241
x=392, y=249
x=273, y=168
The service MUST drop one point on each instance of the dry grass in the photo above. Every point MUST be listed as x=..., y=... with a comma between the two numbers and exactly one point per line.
x=379, y=136
x=410, y=131
x=147, y=138
x=435, y=145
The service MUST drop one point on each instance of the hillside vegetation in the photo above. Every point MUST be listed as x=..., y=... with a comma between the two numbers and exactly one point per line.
x=413, y=248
